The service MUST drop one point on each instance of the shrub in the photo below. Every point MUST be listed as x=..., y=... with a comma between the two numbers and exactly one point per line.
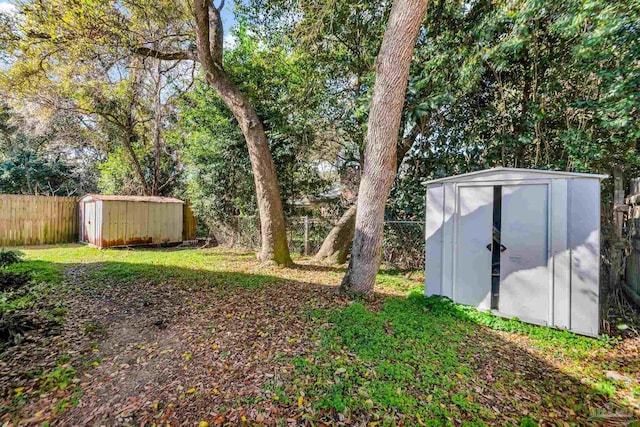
x=9, y=257
x=11, y=281
x=13, y=327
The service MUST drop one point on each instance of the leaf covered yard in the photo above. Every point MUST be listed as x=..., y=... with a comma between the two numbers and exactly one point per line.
x=212, y=337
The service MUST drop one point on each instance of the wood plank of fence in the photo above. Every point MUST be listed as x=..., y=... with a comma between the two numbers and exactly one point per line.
x=37, y=220
x=188, y=223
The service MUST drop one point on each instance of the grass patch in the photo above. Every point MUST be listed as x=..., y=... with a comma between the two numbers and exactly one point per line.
x=94, y=327
x=399, y=360
x=391, y=364
x=118, y=272
x=542, y=336
x=417, y=359
x=42, y=277
x=116, y=266
x=60, y=378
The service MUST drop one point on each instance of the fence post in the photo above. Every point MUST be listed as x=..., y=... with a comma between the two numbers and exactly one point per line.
x=631, y=285
x=306, y=235
x=617, y=246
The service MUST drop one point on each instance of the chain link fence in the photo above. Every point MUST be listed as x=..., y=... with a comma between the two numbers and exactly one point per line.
x=402, y=243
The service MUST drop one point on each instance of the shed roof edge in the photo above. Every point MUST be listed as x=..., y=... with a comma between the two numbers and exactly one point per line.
x=148, y=199
x=501, y=169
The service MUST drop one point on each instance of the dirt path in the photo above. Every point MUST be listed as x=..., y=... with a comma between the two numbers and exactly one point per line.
x=150, y=352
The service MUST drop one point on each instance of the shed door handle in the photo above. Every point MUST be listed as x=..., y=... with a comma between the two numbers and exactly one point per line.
x=502, y=247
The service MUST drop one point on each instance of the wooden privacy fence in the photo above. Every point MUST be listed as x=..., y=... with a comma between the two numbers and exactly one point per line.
x=37, y=220
x=188, y=222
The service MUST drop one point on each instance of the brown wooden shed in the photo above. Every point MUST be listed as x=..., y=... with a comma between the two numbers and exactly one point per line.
x=111, y=221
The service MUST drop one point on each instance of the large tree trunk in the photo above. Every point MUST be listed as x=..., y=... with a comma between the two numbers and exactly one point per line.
x=209, y=35
x=379, y=171
x=272, y=222
x=336, y=245
x=274, y=245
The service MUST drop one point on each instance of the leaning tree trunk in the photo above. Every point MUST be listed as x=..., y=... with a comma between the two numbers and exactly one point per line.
x=379, y=170
x=273, y=232
x=272, y=222
x=336, y=245
x=209, y=38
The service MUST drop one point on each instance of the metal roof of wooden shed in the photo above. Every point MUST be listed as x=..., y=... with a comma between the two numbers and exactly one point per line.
x=150, y=199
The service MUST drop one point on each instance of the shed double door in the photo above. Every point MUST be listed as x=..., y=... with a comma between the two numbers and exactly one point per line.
x=502, y=249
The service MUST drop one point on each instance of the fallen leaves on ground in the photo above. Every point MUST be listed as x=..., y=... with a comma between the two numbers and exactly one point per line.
x=210, y=338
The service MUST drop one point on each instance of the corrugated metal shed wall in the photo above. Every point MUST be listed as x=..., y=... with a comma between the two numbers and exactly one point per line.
x=136, y=223
x=125, y=222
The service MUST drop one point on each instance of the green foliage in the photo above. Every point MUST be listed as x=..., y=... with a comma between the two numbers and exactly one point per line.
x=544, y=336
x=77, y=57
x=339, y=42
x=23, y=284
x=13, y=283
x=8, y=257
x=23, y=172
x=217, y=161
x=137, y=117
x=413, y=356
x=31, y=162
x=59, y=378
x=94, y=327
x=549, y=85
x=117, y=175
x=528, y=422
x=216, y=158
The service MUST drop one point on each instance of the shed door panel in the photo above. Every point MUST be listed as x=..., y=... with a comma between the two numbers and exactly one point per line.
x=524, y=277
x=433, y=236
x=473, y=263
x=584, y=234
x=89, y=222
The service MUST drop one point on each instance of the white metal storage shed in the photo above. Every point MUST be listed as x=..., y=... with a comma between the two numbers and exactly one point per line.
x=519, y=242
x=108, y=221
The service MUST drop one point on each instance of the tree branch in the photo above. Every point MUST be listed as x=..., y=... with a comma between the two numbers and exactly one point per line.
x=177, y=55
x=169, y=181
x=407, y=142
x=216, y=35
